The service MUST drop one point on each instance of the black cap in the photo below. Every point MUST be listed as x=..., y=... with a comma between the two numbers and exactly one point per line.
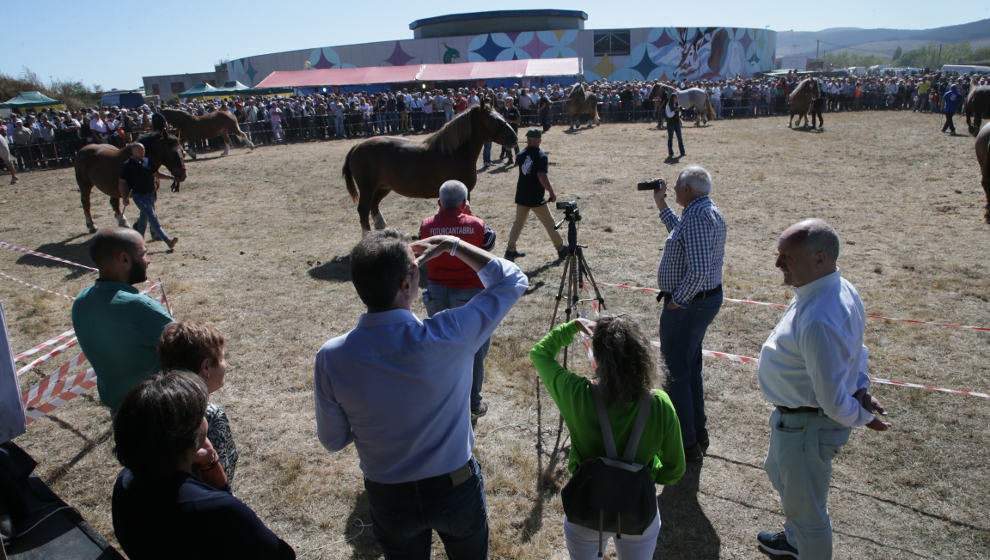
x=534, y=133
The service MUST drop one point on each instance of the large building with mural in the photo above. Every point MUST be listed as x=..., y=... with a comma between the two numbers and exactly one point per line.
x=642, y=53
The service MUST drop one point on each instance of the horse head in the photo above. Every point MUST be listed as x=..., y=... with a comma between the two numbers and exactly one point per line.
x=491, y=126
x=164, y=149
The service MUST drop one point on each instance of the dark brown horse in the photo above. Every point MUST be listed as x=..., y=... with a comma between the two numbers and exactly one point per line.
x=417, y=168
x=192, y=128
x=579, y=103
x=99, y=165
x=799, y=100
x=983, y=156
x=977, y=107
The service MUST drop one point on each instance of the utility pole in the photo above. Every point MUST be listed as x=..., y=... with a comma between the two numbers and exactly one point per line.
x=817, y=43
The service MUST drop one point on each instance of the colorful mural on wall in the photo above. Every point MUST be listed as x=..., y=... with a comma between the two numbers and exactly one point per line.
x=668, y=53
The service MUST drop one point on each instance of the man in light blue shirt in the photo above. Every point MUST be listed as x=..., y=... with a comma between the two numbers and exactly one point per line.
x=813, y=368
x=398, y=387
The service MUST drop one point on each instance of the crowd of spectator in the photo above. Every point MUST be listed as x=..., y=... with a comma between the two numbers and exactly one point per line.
x=49, y=138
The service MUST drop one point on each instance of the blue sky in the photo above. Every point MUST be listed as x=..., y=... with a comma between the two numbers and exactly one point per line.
x=113, y=44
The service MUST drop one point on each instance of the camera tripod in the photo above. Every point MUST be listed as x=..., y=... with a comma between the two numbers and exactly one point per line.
x=576, y=277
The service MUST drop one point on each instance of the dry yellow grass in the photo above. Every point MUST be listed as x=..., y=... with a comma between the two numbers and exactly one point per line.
x=264, y=237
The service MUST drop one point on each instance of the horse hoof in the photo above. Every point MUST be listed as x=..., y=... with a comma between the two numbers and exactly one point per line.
x=91, y=228
x=14, y=180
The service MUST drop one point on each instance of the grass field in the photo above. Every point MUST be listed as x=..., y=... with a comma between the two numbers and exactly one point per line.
x=264, y=238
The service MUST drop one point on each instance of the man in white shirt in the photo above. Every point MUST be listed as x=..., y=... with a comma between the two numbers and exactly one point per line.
x=813, y=368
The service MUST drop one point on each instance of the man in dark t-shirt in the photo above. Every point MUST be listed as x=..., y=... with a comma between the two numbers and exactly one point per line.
x=532, y=183
x=137, y=180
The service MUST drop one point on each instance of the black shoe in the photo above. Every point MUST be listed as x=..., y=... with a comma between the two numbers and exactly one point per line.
x=513, y=255
x=776, y=544
x=562, y=252
x=703, y=443
x=479, y=411
x=694, y=454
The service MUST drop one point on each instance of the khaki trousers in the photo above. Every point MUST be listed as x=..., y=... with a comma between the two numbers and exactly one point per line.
x=543, y=213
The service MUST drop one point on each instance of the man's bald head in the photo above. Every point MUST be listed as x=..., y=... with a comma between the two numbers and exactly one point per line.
x=109, y=242
x=815, y=235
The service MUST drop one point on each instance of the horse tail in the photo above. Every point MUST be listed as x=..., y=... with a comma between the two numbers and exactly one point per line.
x=594, y=111
x=348, y=177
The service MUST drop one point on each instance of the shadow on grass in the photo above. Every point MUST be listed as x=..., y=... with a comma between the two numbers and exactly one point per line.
x=686, y=531
x=548, y=485
x=65, y=249
x=337, y=269
x=360, y=534
x=60, y=471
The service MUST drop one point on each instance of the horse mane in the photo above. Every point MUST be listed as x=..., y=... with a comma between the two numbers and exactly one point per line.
x=453, y=134
x=577, y=92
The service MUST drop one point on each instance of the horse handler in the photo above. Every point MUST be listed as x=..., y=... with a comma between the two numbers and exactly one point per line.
x=137, y=180
x=532, y=183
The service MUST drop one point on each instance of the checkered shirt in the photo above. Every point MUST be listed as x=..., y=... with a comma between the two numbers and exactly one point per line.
x=694, y=251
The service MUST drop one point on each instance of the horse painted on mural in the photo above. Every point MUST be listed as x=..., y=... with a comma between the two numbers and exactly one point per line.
x=417, y=168
x=579, y=104
x=691, y=98
x=192, y=128
x=99, y=165
x=799, y=101
x=5, y=157
x=977, y=106
x=983, y=156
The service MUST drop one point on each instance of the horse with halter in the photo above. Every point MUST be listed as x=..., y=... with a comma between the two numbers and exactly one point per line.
x=983, y=156
x=977, y=106
x=579, y=103
x=691, y=98
x=192, y=128
x=416, y=169
x=5, y=157
x=799, y=101
x=99, y=165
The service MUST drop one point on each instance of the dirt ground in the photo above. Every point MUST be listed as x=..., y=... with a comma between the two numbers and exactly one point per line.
x=264, y=238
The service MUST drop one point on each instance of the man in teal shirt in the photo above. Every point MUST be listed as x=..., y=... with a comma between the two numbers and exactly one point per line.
x=117, y=327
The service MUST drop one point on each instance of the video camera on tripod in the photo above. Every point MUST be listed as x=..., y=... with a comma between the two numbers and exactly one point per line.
x=570, y=208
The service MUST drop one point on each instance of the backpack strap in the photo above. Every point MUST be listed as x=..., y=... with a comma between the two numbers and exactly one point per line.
x=603, y=423
x=645, y=404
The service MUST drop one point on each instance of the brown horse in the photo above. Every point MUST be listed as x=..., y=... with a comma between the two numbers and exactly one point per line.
x=417, y=168
x=579, y=103
x=983, y=156
x=99, y=165
x=977, y=107
x=799, y=100
x=192, y=128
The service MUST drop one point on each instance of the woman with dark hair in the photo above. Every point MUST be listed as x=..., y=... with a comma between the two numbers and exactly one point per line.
x=159, y=509
x=624, y=373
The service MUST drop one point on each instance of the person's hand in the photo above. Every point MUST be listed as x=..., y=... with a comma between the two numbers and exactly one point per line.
x=587, y=326
x=431, y=247
x=660, y=195
x=553, y=197
x=879, y=425
x=869, y=402
x=672, y=304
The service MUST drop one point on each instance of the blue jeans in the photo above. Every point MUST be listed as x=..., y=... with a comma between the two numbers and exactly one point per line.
x=405, y=514
x=146, y=204
x=436, y=298
x=671, y=130
x=799, y=464
x=681, y=333
x=486, y=153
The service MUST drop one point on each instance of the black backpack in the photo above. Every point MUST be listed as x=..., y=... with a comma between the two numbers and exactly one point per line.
x=608, y=493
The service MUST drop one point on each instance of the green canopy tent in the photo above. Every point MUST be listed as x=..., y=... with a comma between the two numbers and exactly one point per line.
x=31, y=100
x=201, y=89
x=233, y=87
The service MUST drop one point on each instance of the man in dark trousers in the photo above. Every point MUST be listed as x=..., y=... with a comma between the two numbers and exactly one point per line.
x=137, y=180
x=532, y=183
x=512, y=116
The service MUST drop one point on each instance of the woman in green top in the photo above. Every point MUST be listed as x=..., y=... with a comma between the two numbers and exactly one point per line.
x=625, y=368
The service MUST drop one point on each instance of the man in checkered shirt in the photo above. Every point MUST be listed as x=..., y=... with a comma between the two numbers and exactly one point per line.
x=690, y=282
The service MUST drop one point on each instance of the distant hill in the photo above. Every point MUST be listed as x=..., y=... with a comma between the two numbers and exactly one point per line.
x=796, y=46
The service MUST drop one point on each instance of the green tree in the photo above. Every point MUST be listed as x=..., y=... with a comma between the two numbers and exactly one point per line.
x=897, y=53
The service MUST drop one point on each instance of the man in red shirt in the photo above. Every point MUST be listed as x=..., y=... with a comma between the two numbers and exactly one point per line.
x=451, y=283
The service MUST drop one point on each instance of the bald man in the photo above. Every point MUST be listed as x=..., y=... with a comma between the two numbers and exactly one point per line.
x=813, y=367
x=118, y=328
